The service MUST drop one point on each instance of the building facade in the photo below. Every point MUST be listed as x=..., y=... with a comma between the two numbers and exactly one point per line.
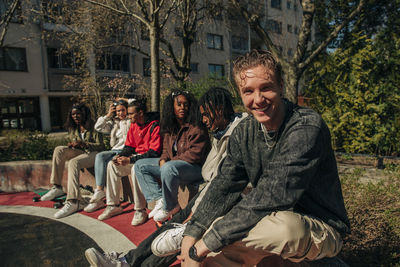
x=32, y=69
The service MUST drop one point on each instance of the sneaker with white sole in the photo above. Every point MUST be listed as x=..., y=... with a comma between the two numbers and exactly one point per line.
x=109, y=212
x=97, y=259
x=159, y=205
x=168, y=242
x=98, y=195
x=140, y=217
x=94, y=206
x=162, y=215
x=53, y=193
x=68, y=209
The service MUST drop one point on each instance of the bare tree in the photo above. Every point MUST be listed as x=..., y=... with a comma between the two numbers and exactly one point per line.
x=6, y=18
x=302, y=58
x=188, y=17
x=154, y=14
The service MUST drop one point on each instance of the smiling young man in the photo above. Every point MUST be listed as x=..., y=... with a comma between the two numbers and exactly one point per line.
x=295, y=210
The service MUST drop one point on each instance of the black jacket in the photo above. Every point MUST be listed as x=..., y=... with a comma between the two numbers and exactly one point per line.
x=299, y=173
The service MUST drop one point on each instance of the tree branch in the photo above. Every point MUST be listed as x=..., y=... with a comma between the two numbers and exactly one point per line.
x=6, y=21
x=331, y=36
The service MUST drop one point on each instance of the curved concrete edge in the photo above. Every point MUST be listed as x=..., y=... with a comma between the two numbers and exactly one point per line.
x=108, y=238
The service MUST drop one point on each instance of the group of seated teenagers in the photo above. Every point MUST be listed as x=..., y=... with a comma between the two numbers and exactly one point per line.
x=135, y=138
x=294, y=210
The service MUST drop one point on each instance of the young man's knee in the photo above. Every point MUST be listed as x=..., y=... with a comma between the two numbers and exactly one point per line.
x=279, y=228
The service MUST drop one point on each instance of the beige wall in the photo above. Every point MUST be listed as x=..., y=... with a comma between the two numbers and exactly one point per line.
x=20, y=83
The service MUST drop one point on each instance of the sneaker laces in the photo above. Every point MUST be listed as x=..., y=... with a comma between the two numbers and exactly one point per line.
x=112, y=256
x=67, y=205
x=177, y=231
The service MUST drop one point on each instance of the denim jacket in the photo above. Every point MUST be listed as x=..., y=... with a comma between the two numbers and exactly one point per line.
x=298, y=173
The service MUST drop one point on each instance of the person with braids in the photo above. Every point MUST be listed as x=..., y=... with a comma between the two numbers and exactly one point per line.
x=185, y=148
x=115, y=123
x=81, y=151
x=162, y=246
x=143, y=141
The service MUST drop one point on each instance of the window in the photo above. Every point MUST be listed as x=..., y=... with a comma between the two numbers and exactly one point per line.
x=295, y=6
x=216, y=69
x=5, y=6
x=274, y=26
x=113, y=61
x=20, y=113
x=288, y=4
x=239, y=43
x=194, y=67
x=290, y=52
x=214, y=41
x=296, y=30
x=289, y=28
x=60, y=60
x=146, y=67
x=276, y=4
x=12, y=58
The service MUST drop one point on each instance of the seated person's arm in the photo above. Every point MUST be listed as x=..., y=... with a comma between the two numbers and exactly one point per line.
x=199, y=147
x=281, y=185
x=96, y=142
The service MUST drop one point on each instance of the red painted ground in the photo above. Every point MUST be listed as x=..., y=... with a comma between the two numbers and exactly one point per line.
x=121, y=223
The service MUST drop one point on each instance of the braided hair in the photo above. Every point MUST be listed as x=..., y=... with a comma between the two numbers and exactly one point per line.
x=217, y=98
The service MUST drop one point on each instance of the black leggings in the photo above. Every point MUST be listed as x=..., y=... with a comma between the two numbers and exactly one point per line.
x=142, y=255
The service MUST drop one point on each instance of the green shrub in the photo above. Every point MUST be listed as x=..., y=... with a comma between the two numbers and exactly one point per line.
x=27, y=145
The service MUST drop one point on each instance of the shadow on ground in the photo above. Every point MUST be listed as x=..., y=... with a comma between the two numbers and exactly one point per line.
x=36, y=241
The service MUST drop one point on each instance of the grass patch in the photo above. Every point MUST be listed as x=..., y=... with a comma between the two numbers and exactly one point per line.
x=374, y=213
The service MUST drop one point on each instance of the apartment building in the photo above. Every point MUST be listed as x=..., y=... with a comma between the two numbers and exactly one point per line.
x=32, y=71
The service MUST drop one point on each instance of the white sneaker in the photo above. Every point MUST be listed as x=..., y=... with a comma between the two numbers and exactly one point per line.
x=140, y=217
x=98, y=195
x=94, y=206
x=53, y=193
x=68, y=209
x=168, y=242
x=159, y=205
x=97, y=259
x=109, y=212
x=162, y=215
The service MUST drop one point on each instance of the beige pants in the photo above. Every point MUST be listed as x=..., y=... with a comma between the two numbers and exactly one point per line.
x=77, y=160
x=291, y=236
x=113, y=188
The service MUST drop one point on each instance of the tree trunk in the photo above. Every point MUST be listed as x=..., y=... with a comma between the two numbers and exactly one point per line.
x=291, y=83
x=155, y=65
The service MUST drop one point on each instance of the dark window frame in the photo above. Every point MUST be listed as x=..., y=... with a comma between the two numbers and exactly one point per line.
x=276, y=4
x=6, y=65
x=108, y=61
x=214, y=72
x=212, y=45
x=146, y=70
x=196, y=69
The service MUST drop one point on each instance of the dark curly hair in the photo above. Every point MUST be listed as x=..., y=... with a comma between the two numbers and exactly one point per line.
x=139, y=104
x=217, y=97
x=87, y=120
x=169, y=123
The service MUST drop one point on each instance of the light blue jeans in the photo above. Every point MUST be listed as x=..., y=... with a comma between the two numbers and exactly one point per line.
x=100, y=165
x=172, y=174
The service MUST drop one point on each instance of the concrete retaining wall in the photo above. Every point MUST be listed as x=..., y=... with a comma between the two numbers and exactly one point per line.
x=20, y=176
